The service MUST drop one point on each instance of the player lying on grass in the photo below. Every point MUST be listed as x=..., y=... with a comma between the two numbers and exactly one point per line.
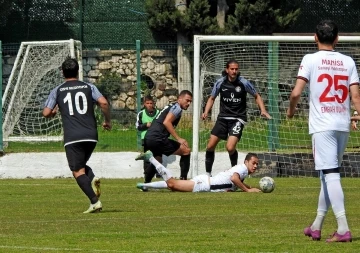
x=227, y=181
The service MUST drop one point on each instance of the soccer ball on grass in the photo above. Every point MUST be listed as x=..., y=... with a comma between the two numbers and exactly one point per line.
x=267, y=184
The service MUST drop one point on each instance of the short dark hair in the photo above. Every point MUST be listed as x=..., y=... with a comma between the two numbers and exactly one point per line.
x=327, y=31
x=148, y=98
x=70, y=68
x=250, y=155
x=185, y=92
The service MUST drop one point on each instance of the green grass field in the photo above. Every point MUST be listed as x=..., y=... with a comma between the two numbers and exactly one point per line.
x=45, y=215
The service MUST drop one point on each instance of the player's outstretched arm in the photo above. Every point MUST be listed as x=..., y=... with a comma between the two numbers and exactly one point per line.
x=168, y=123
x=235, y=178
x=209, y=105
x=260, y=103
x=295, y=97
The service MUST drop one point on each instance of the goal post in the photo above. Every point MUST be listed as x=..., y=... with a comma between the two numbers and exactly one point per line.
x=271, y=63
x=36, y=70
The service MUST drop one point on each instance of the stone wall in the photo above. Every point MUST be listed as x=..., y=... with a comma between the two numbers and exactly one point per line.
x=156, y=68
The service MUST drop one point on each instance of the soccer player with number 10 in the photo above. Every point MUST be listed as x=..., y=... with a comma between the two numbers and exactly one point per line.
x=330, y=75
x=76, y=100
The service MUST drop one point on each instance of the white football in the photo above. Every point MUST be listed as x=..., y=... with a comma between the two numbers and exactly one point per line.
x=267, y=184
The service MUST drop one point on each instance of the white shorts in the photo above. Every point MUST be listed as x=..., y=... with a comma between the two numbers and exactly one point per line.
x=201, y=183
x=328, y=149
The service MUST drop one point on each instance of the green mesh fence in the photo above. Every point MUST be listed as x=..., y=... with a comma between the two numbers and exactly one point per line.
x=100, y=21
x=106, y=22
x=346, y=13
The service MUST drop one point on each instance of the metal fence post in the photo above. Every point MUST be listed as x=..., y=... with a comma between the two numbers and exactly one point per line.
x=1, y=133
x=138, y=88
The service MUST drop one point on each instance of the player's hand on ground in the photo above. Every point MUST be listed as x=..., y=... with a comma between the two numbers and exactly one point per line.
x=254, y=190
x=106, y=125
x=265, y=114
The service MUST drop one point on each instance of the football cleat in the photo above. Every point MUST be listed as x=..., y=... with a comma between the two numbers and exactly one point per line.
x=141, y=187
x=144, y=156
x=340, y=238
x=94, y=208
x=314, y=234
x=95, y=184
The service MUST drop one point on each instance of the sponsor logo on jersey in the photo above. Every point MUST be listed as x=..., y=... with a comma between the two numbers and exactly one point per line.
x=232, y=99
x=332, y=62
x=74, y=87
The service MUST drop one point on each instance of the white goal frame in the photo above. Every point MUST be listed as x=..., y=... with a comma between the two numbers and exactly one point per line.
x=75, y=51
x=197, y=94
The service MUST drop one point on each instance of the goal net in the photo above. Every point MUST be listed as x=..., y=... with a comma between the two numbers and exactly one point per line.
x=36, y=71
x=271, y=63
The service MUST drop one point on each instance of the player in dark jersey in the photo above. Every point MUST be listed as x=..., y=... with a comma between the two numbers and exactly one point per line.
x=157, y=136
x=233, y=90
x=76, y=101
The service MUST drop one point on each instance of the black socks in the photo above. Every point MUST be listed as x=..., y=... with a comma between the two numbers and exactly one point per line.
x=184, y=166
x=209, y=160
x=85, y=184
x=234, y=158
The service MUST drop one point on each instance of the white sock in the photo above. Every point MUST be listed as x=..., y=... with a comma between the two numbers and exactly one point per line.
x=156, y=185
x=164, y=172
x=336, y=196
x=323, y=205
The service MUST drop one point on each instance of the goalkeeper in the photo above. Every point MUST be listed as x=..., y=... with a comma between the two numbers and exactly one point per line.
x=227, y=181
x=232, y=118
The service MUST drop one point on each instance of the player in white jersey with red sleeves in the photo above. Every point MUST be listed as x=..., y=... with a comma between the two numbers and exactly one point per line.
x=330, y=76
x=227, y=181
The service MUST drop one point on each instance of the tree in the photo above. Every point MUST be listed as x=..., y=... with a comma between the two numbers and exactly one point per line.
x=230, y=16
x=222, y=9
x=4, y=11
x=259, y=18
x=163, y=18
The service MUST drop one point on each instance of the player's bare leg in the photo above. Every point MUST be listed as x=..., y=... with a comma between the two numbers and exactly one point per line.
x=180, y=185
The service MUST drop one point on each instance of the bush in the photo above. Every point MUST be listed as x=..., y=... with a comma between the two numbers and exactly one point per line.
x=109, y=84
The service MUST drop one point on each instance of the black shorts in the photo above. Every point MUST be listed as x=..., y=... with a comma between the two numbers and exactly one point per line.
x=227, y=127
x=161, y=147
x=79, y=153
